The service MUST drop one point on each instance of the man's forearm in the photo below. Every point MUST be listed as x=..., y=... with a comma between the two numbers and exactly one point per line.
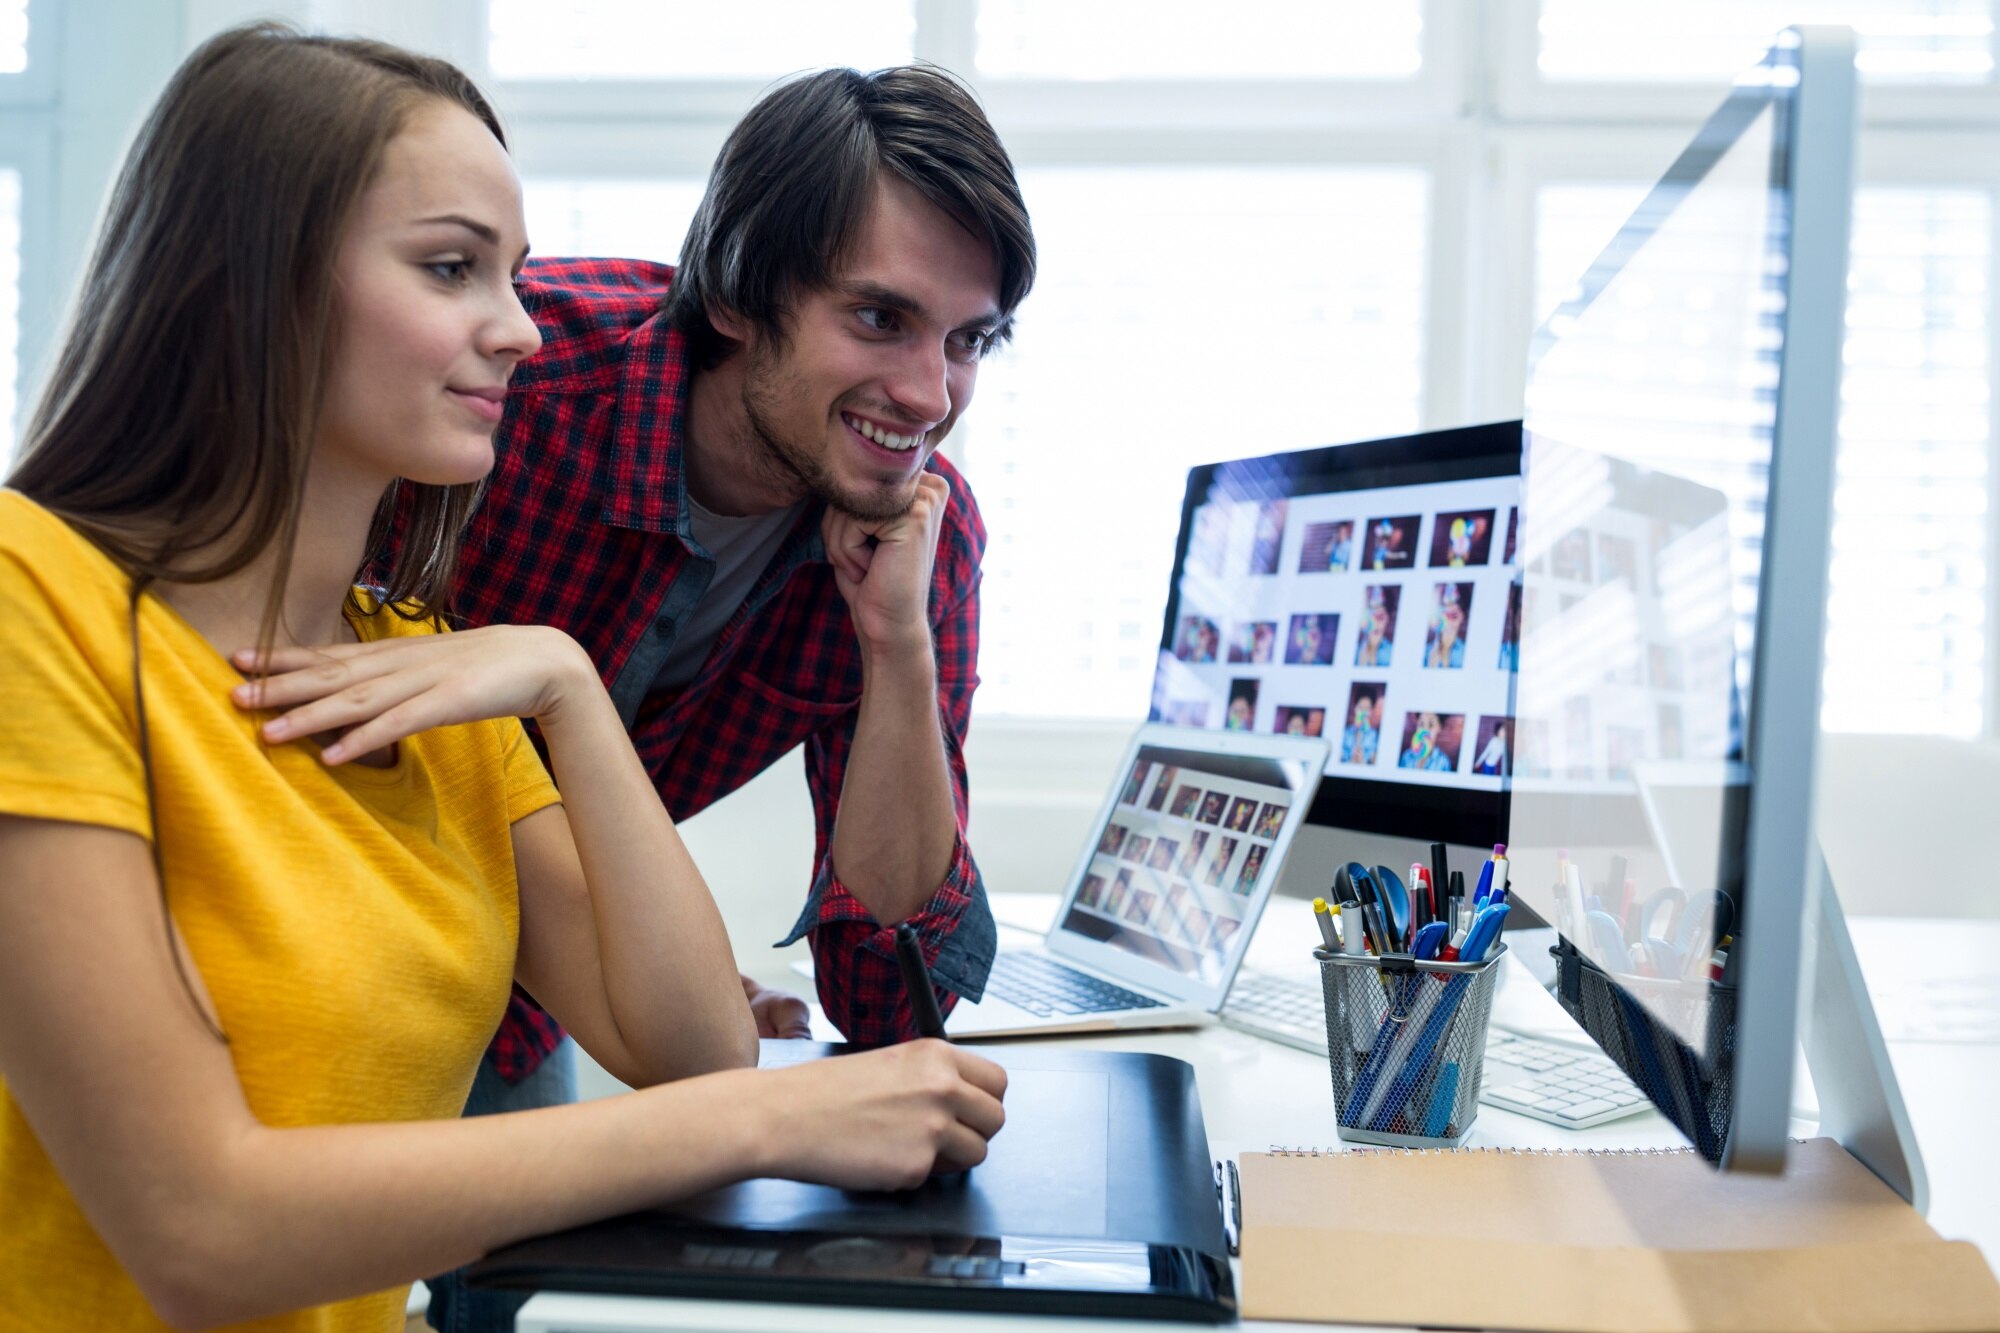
x=897, y=824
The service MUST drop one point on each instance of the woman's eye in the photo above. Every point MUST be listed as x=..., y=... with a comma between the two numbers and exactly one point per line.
x=450, y=270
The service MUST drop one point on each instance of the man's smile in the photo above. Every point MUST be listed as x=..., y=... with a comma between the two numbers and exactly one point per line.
x=875, y=434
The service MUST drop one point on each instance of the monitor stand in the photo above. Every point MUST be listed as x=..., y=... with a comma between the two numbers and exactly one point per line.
x=1860, y=1105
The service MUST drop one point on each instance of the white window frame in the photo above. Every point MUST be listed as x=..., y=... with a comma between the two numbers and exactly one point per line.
x=1478, y=118
x=1520, y=93
x=35, y=86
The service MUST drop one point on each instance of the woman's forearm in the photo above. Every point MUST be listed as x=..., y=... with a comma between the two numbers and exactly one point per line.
x=282, y=1218
x=669, y=975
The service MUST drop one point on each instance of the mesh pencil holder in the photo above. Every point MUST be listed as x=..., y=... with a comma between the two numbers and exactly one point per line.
x=1636, y=1022
x=1406, y=1041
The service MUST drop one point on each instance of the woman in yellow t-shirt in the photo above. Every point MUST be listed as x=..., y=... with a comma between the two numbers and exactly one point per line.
x=274, y=849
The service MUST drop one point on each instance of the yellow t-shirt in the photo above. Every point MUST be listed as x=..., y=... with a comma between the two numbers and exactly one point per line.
x=355, y=926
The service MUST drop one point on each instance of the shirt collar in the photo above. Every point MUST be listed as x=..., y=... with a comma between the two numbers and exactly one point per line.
x=645, y=481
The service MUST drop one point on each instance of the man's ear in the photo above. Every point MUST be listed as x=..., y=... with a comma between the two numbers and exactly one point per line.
x=728, y=323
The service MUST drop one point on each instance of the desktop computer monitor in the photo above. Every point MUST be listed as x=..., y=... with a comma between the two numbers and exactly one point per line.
x=1676, y=495
x=1365, y=593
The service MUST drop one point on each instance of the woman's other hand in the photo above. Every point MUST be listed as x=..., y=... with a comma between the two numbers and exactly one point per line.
x=371, y=695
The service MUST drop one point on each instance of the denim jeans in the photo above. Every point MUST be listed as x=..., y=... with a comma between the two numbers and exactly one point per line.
x=454, y=1308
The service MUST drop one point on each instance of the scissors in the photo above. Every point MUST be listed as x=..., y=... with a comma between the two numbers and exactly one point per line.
x=1390, y=894
x=1675, y=902
x=1708, y=918
x=1607, y=941
x=1395, y=900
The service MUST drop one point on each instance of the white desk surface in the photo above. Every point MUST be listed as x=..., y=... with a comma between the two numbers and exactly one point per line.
x=1942, y=1020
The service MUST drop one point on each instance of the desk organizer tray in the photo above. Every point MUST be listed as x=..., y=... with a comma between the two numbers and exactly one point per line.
x=1098, y=1198
x=1635, y=1020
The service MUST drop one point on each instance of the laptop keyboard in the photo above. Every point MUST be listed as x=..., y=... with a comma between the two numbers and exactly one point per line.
x=1544, y=1080
x=1045, y=987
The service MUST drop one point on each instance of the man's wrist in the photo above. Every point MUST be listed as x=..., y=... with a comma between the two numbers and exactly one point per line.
x=903, y=657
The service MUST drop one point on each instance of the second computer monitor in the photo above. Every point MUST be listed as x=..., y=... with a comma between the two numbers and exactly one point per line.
x=1366, y=593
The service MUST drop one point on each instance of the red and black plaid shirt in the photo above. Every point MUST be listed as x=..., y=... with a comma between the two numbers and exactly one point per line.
x=585, y=527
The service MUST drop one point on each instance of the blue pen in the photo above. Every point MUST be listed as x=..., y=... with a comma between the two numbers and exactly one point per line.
x=1439, y=1118
x=1430, y=938
x=1485, y=930
x=1485, y=880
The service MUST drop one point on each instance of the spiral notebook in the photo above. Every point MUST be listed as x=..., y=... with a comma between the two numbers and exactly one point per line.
x=1624, y=1242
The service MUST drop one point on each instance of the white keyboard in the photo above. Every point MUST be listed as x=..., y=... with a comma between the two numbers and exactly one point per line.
x=1546, y=1080
x=1563, y=1085
x=1281, y=1009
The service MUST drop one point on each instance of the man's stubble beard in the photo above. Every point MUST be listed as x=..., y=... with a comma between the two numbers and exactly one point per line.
x=784, y=462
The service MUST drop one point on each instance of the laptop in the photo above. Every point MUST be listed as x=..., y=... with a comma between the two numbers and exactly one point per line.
x=1167, y=889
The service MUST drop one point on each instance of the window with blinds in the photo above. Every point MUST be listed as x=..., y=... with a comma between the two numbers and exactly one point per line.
x=1906, y=606
x=1182, y=315
x=1199, y=39
x=13, y=36
x=692, y=39
x=644, y=219
x=1240, y=280
x=1702, y=41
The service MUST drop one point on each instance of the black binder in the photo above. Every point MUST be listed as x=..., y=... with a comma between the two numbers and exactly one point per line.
x=1097, y=1198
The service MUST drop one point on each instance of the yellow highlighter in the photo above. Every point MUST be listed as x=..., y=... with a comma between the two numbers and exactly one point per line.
x=1325, y=916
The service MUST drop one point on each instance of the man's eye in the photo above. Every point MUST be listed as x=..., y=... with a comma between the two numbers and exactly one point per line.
x=877, y=318
x=976, y=342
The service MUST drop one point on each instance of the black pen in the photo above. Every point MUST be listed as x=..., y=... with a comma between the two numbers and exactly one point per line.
x=917, y=981
x=1440, y=885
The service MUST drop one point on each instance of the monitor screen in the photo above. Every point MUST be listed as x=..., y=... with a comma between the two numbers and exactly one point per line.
x=1650, y=640
x=1365, y=593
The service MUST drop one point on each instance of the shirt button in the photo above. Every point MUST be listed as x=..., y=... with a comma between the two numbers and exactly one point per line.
x=663, y=627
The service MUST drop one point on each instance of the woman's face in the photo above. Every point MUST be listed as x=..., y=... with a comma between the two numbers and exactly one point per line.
x=1239, y=713
x=1363, y=711
x=429, y=326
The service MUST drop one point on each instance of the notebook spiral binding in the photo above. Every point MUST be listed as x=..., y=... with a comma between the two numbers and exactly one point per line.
x=1277, y=1150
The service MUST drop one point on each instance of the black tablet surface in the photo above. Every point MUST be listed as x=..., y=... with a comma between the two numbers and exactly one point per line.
x=1097, y=1198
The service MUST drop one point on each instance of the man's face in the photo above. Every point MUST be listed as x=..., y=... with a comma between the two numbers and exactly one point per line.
x=880, y=363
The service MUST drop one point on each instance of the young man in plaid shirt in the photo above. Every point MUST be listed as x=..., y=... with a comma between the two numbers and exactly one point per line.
x=722, y=481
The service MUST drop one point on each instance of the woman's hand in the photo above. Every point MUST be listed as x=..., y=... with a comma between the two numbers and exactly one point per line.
x=884, y=1119
x=778, y=1013
x=375, y=694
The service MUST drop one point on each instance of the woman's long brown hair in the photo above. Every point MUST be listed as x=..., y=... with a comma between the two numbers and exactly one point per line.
x=178, y=421
x=179, y=416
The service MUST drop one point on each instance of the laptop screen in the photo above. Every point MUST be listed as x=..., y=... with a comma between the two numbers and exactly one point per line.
x=1187, y=855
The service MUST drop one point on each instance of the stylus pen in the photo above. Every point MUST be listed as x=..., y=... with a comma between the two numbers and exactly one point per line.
x=917, y=981
x=1440, y=879
x=1373, y=914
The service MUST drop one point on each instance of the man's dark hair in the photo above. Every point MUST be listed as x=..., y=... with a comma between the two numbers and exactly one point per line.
x=793, y=183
